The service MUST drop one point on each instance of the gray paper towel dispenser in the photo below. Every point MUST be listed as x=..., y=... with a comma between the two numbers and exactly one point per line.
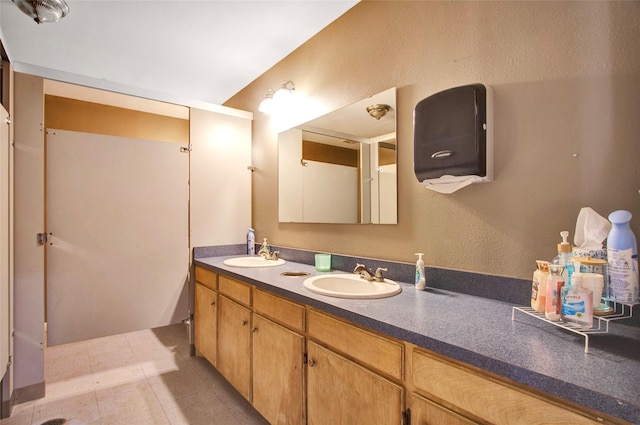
x=453, y=138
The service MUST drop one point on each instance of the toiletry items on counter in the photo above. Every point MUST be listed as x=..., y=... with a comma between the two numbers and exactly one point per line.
x=555, y=282
x=577, y=303
x=265, y=249
x=622, y=257
x=564, y=256
x=421, y=282
x=539, y=286
x=251, y=241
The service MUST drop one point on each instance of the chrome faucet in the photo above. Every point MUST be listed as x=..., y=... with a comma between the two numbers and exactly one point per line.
x=366, y=274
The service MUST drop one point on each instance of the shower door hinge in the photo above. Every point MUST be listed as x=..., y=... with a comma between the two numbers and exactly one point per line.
x=43, y=238
x=186, y=149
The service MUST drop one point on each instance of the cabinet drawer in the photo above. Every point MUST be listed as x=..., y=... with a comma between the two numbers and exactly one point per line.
x=373, y=350
x=207, y=278
x=235, y=290
x=490, y=400
x=278, y=309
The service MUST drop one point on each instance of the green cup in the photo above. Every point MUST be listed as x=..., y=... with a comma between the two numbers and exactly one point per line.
x=323, y=262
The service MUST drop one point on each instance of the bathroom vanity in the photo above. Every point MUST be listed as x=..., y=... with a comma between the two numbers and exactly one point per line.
x=420, y=357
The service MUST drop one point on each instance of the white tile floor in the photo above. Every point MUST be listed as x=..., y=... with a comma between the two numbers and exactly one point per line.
x=138, y=378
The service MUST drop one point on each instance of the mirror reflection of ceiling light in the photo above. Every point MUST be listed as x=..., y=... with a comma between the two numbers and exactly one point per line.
x=378, y=110
x=273, y=102
x=43, y=10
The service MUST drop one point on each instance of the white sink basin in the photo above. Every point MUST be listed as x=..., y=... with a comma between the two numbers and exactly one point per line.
x=252, y=261
x=351, y=286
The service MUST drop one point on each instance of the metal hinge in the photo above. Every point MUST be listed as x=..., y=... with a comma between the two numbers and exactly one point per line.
x=186, y=149
x=304, y=358
x=8, y=119
x=43, y=238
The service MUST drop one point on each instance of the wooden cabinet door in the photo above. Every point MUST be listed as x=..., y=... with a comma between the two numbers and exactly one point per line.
x=340, y=391
x=234, y=344
x=426, y=412
x=205, y=318
x=278, y=358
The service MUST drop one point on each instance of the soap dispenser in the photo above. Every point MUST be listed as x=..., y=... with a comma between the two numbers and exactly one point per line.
x=564, y=256
x=421, y=282
x=265, y=250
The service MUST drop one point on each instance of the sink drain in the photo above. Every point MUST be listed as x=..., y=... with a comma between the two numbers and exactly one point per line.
x=58, y=421
x=294, y=274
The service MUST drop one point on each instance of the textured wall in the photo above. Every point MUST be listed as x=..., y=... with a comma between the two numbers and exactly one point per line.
x=566, y=79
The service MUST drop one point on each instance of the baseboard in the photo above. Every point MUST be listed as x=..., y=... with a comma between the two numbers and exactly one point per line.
x=29, y=393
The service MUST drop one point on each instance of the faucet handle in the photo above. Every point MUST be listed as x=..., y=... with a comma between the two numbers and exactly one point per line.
x=379, y=271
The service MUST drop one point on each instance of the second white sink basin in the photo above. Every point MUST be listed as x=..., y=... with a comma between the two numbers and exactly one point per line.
x=252, y=261
x=351, y=286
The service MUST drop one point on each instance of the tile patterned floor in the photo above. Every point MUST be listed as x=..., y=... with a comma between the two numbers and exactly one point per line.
x=139, y=378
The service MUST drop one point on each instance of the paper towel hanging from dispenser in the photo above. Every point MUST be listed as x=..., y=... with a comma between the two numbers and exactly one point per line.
x=453, y=138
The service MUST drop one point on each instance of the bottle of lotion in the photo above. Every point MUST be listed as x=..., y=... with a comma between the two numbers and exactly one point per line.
x=421, y=282
x=539, y=286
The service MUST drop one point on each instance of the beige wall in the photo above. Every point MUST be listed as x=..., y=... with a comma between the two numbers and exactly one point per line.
x=566, y=78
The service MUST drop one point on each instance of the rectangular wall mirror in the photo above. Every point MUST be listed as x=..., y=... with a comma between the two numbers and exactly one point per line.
x=341, y=167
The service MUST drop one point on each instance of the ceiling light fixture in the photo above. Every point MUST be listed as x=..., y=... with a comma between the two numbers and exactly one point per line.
x=43, y=10
x=266, y=106
x=378, y=110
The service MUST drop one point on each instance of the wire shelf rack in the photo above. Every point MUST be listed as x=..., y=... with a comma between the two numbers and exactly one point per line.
x=600, y=323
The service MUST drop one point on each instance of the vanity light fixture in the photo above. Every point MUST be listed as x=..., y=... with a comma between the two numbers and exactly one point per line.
x=284, y=93
x=266, y=106
x=378, y=110
x=43, y=10
x=279, y=100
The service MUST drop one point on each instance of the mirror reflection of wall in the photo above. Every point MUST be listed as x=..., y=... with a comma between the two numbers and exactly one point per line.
x=341, y=167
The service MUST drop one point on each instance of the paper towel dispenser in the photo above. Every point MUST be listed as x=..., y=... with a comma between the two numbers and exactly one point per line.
x=453, y=138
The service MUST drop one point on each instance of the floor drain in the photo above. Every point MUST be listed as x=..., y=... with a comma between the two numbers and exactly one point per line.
x=58, y=421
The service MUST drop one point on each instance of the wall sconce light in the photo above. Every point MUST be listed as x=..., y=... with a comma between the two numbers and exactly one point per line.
x=43, y=10
x=279, y=100
x=284, y=93
x=266, y=106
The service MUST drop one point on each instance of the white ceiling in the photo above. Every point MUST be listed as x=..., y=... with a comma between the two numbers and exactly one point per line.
x=188, y=52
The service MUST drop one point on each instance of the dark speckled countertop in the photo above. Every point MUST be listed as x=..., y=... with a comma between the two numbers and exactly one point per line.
x=480, y=332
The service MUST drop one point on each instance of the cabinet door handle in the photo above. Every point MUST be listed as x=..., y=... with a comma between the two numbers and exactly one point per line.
x=254, y=330
x=312, y=363
x=245, y=322
x=213, y=303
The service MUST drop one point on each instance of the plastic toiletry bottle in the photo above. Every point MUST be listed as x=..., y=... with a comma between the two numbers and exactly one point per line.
x=539, y=286
x=251, y=241
x=555, y=282
x=421, y=282
x=265, y=248
x=622, y=256
x=564, y=256
x=577, y=303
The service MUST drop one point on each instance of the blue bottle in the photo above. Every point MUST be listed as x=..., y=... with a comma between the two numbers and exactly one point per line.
x=622, y=258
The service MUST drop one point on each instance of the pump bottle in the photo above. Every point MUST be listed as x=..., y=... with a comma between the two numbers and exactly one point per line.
x=564, y=256
x=421, y=282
